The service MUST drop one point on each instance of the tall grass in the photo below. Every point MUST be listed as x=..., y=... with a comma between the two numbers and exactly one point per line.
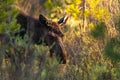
x=92, y=55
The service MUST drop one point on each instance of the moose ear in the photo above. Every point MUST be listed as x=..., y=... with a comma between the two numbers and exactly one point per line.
x=63, y=20
x=42, y=19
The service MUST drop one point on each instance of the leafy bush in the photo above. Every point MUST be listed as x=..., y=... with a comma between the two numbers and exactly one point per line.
x=112, y=49
x=21, y=60
x=99, y=30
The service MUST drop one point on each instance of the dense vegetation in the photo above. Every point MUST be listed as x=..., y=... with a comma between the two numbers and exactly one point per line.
x=92, y=41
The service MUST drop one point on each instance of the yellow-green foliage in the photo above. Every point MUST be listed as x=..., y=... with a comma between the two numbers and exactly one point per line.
x=7, y=17
x=63, y=7
x=89, y=58
x=96, y=10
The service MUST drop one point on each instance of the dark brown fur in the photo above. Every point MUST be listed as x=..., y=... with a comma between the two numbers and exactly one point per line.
x=40, y=31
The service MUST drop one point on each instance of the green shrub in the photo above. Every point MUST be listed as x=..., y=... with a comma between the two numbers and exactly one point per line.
x=99, y=30
x=117, y=22
x=112, y=49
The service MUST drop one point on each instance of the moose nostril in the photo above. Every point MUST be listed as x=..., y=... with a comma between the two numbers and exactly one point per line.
x=47, y=22
x=62, y=35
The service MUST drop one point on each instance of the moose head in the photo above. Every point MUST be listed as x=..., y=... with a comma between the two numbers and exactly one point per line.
x=55, y=26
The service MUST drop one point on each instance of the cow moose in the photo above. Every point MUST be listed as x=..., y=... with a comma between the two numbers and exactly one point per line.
x=42, y=30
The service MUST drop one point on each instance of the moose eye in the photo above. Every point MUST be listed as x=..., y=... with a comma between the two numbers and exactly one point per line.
x=49, y=22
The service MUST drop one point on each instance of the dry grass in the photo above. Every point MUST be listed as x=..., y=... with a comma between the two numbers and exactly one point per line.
x=86, y=54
